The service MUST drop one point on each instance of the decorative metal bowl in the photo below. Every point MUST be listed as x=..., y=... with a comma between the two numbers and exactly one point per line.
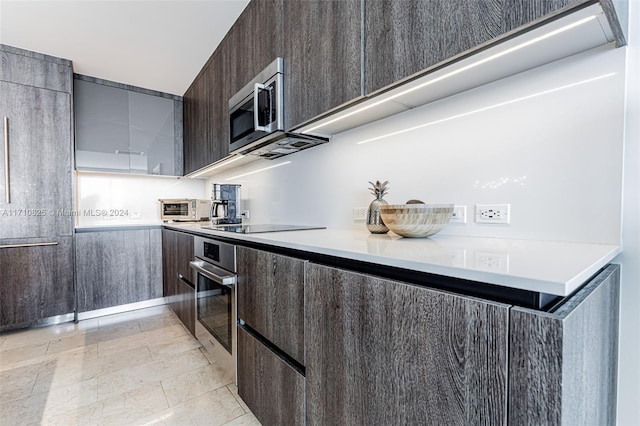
x=416, y=220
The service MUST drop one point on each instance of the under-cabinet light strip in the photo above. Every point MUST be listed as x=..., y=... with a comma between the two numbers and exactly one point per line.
x=464, y=114
x=212, y=168
x=462, y=69
x=258, y=171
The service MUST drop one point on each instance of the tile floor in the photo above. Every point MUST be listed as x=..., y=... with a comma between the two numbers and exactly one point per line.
x=137, y=368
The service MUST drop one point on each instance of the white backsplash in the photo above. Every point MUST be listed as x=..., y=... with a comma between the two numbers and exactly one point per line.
x=135, y=195
x=549, y=142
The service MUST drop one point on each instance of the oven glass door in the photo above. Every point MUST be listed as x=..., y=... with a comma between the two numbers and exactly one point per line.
x=175, y=209
x=215, y=309
x=254, y=117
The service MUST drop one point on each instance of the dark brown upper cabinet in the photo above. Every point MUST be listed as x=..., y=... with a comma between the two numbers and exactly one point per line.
x=253, y=42
x=403, y=38
x=198, y=149
x=323, y=57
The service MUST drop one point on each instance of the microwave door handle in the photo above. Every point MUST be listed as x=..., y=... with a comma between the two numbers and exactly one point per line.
x=256, y=110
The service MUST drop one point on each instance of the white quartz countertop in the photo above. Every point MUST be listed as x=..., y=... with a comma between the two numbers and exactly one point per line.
x=541, y=266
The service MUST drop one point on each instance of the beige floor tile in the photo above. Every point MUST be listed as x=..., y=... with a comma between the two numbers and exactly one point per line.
x=131, y=378
x=116, y=331
x=48, y=362
x=116, y=370
x=17, y=383
x=216, y=407
x=37, y=407
x=67, y=374
x=38, y=335
x=161, y=320
x=8, y=357
x=123, y=409
x=101, y=334
x=159, y=336
x=196, y=382
x=14, y=392
x=246, y=420
x=71, y=342
x=180, y=344
x=234, y=391
x=133, y=316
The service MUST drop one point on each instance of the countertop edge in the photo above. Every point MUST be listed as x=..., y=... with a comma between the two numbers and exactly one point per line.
x=558, y=288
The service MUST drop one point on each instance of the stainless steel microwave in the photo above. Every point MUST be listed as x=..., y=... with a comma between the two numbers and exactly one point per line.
x=256, y=110
x=184, y=209
x=256, y=118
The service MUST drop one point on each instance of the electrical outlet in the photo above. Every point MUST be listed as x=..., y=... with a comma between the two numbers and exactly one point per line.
x=359, y=214
x=459, y=214
x=493, y=213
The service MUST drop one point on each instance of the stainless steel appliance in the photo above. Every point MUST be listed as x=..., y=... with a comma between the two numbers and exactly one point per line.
x=256, y=118
x=225, y=204
x=184, y=209
x=261, y=228
x=214, y=275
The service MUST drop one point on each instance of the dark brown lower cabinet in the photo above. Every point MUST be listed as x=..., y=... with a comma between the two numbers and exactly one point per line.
x=183, y=304
x=36, y=280
x=563, y=365
x=270, y=294
x=178, y=286
x=381, y=352
x=117, y=267
x=271, y=388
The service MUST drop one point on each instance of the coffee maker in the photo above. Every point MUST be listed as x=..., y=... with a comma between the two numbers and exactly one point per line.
x=225, y=204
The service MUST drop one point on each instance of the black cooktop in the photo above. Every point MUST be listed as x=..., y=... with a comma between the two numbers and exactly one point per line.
x=256, y=229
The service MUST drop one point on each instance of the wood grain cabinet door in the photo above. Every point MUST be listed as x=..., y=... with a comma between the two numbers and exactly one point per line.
x=36, y=280
x=563, y=365
x=38, y=144
x=381, y=352
x=197, y=124
x=405, y=37
x=117, y=267
x=178, y=286
x=34, y=69
x=322, y=57
x=273, y=390
x=270, y=295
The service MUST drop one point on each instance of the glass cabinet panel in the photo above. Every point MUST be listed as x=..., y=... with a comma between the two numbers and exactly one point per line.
x=120, y=130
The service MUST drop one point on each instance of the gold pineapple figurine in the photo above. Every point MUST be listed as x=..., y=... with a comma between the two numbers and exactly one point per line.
x=375, y=225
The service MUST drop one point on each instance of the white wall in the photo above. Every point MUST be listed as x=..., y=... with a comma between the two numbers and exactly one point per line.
x=134, y=194
x=629, y=360
x=548, y=141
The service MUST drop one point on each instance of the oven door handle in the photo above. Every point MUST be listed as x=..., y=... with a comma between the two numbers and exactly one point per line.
x=214, y=273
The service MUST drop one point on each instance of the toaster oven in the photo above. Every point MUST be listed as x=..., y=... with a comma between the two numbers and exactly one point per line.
x=184, y=209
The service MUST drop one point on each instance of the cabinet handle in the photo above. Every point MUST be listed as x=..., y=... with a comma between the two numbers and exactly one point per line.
x=8, y=246
x=186, y=281
x=7, y=192
x=128, y=152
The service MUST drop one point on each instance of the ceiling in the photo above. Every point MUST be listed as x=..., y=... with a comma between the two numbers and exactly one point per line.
x=155, y=44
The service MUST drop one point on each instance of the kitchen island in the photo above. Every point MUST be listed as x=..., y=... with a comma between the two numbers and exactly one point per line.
x=449, y=329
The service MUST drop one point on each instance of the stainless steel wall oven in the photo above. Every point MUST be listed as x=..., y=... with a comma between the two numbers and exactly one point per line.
x=214, y=275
